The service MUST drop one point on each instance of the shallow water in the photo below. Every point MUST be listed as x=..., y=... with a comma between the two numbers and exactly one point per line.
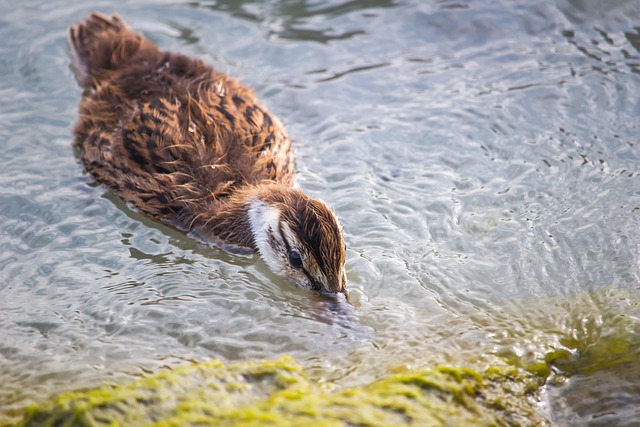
x=483, y=158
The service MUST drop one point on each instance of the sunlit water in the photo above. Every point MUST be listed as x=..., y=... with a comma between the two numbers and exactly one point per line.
x=483, y=158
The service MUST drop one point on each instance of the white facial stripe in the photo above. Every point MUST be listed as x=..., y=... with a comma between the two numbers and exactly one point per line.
x=264, y=220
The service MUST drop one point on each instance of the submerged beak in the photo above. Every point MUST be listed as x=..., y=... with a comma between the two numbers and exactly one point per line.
x=346, y=295
x=337, y=296
x=343, y=286
x=340, y=289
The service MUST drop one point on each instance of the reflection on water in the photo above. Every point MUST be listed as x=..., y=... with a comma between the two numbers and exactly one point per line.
x=482, y=156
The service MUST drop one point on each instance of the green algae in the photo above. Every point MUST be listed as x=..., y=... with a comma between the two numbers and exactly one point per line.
x=278, y=393
x=593, y=338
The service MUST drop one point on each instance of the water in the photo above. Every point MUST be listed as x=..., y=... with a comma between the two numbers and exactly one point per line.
x=482, y=156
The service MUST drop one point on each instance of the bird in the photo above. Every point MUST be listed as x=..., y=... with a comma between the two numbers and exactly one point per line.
x=190, y=146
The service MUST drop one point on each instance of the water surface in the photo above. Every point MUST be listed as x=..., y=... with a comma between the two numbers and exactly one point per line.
x=482, y=156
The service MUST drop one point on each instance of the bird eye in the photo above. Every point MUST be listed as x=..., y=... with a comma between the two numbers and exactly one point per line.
x=295, y=259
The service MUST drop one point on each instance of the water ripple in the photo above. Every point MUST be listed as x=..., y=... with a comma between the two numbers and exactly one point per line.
x=482, y=156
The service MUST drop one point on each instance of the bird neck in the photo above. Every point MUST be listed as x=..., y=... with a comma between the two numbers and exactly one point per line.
x=242, y=219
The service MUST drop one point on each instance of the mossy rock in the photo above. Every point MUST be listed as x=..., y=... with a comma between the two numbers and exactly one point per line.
x=278, y=393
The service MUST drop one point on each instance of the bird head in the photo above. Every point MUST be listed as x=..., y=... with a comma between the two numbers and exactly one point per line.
x=300, y=239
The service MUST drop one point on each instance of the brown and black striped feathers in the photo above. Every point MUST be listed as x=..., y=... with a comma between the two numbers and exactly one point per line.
x=165, y=131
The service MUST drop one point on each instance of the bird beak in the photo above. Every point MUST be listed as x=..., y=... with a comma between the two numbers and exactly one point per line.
x=340, y=289
x=343, y=286
x=346, y=295
x=337, y=296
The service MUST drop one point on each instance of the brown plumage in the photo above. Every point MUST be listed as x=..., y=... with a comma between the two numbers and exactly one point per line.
x=192, y=147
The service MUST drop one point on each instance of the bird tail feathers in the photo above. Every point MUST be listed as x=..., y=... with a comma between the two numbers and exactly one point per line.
x=100, y=44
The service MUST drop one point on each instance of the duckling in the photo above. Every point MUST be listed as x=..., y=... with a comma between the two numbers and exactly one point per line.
x=192, y=147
